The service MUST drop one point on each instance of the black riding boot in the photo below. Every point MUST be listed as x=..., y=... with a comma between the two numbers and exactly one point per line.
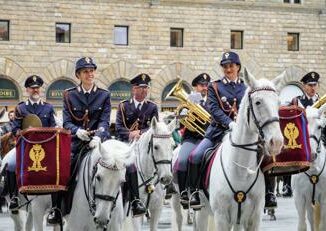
x=138, y=208
x=54, y=217
x=194, y=175
x=184, y=199
x=270, y=199
x=13, y=191
x=169, y=190
x=287, y=190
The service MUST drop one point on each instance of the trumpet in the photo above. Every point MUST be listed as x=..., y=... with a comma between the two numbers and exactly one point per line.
x=320, y=102
x=197, y=118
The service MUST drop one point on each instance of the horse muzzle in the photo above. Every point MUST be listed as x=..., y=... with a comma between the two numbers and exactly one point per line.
x=166, y=180
x=100, y=224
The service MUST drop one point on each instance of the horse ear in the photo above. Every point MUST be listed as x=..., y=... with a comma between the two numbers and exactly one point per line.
x=279, y=82
x=172, y=125
x=249, y=78
x=154, y=123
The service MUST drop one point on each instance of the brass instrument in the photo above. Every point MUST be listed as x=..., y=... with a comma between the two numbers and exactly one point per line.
x=320, y=102
x=197, y=118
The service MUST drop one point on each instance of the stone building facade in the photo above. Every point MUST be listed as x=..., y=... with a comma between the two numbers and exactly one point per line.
x=206, y=24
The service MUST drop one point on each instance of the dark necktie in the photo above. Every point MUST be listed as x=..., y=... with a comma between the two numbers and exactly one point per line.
x=138, y=107
x=87, y=95
x=34, y=105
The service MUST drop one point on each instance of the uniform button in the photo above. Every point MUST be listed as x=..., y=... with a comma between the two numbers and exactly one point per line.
x=74, y=109
x=100, y=108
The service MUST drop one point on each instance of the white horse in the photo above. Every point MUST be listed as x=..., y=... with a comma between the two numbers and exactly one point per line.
x=236, y=191
x=309, y=187
x=153, y=162
x=23, y=217
x=97, y=201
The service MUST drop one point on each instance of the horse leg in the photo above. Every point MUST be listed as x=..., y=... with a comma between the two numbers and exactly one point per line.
x=300, y=204
x=155, y=215
x=29, y=220
x=38, y=207
x=201, y=220
x=18, y=221
x=177, y=211
x=322, y=225
x=137, y=223
x=254, y=221
x=221, y=221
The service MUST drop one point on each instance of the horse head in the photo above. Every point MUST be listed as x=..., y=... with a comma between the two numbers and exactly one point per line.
x=107, y=177
x=161, y=148
x=316, y=122
x=261, y=103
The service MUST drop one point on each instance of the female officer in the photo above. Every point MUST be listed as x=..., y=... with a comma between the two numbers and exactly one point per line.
x=224, y=97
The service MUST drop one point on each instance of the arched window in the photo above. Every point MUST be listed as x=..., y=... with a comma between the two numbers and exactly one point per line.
x=55, y=91
x=120, y=90
x=9, y=94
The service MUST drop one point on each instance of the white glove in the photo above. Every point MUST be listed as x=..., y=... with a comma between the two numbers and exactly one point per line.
x=232, y=125
x=82, y=134
x=183, y=112
x=95, y=142
x=195, y=97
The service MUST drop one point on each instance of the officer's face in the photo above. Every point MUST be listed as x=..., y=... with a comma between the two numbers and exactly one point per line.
x=34, y=93
x=86, y=76
x=311, y=89
x=11, y=116
x=231, y=70
x=140, y=93
x=202, y=89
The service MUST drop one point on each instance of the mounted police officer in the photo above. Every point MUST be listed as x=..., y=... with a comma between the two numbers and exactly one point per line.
x=224, y=97
x=310, y=83
x=190, y=139
x=133, y=119
x=86, y=113
x=33, y=105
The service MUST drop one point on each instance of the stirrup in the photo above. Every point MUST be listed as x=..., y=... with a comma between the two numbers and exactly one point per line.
x=195, y=207
x=142, y=204
x=18, y=201
x=184, y=192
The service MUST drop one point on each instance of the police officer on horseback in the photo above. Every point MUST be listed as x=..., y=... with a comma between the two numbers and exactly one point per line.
x=310, y=83
x=86, y=113
x=190, y=139
x=133, y=119
x=33, y=105
x=224, y=97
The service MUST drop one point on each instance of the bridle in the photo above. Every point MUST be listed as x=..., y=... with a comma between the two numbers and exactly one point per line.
x=260, y=126
x=90, y=188
x=314, y=137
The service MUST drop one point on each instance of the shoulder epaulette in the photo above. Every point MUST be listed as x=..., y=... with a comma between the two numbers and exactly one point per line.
x=150, y=101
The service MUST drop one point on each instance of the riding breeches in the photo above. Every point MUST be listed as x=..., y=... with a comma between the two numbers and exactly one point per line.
x=131, y=168
x=187, y=146
x=197, y=154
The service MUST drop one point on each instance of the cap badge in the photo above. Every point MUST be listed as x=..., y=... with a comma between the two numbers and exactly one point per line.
x=313, y=75
x=143, y=77
x=205, y=76
x=226, y=55
x=87, y=60
x=34, y=78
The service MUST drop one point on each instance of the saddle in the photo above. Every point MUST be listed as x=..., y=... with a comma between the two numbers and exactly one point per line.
x=206, y=166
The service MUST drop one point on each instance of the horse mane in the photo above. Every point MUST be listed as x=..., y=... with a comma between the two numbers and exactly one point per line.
x=116, y=153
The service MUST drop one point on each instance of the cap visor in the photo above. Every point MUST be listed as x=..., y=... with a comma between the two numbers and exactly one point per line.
x=226, y=62
x=34, y=86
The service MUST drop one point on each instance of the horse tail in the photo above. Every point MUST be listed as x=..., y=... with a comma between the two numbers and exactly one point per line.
x=316, y=209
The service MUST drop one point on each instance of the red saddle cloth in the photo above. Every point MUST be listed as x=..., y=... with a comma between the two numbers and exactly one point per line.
x=295, y=156
x=43, y=160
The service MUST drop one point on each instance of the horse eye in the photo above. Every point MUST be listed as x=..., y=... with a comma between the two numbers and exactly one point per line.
x=98, y=178
x=155, y=147
x=258, y=103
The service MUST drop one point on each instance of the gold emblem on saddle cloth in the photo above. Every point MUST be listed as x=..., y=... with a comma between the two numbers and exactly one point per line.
x=291, y=132
x=37, y=154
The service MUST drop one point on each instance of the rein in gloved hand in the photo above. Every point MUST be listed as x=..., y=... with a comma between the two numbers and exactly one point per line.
x=84, y=135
